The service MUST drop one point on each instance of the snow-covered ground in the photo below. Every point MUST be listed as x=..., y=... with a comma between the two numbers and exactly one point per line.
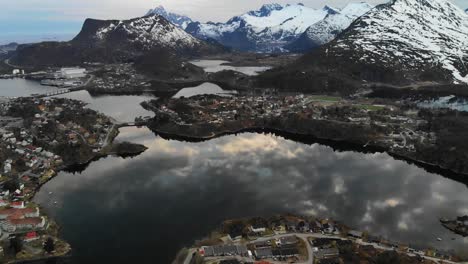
x=216, y=66
x=451, y=102
x=412, y=33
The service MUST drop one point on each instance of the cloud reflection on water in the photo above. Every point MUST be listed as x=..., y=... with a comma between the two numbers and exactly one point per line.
x=253, y=174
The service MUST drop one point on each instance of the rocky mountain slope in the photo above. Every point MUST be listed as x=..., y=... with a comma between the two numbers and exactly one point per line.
x=176, y=19
x=398, y=43
x=115, y=41
x=264, y=30
x=328, y=28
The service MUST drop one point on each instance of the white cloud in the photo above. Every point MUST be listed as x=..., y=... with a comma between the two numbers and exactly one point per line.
x=202, y=10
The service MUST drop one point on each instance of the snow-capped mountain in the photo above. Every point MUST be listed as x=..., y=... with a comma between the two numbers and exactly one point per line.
x=176, y=19
x=139, y=34
x=403, y=42
x=328, y=28
x=411, y=35
x=267, y=29
x=117, y=41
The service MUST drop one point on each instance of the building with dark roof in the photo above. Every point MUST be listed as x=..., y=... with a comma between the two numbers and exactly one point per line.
x=327, y=253
x=261, y=253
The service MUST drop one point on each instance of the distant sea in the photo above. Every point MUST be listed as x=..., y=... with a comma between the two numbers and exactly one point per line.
x=34, y=38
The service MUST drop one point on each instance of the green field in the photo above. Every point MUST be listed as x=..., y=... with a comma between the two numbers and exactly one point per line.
x=370, y=107
x=325, y=98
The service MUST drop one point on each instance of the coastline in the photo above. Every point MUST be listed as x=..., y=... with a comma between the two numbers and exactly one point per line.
x=335, y=143
x=105, y=152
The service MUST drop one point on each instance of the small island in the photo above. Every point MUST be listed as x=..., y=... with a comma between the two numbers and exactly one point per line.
x=458, y=226
x=298, y=239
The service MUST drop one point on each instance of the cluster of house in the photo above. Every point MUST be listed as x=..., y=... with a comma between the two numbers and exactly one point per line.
x=26, y=165
x=120, y=76
x=403, y=127
x=281, y=248
x=225, y=250
x=16, y=218
x=36, y=161
x=325, y=250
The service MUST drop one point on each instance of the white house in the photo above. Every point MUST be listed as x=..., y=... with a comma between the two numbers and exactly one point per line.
x=70, y=73
x=7, y=168
x=257, y=229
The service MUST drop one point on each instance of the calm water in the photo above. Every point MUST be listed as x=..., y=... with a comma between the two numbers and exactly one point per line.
x=122, y=108
x=144, y=209
x=216, y=66
x=22, y=87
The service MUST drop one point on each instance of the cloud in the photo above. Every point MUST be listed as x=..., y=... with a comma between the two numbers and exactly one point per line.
x=65, y=17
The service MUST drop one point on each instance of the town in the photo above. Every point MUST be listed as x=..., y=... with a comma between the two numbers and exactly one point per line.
x=294, y=239
x=402, y=129
x=38, y=138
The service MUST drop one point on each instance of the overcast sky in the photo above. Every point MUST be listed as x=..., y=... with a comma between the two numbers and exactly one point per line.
x=36, y=17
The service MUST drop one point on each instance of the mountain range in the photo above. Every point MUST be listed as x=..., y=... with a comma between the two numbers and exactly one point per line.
x=265, y=30
x=399, y=43
x=274, y=27
x=328, y=28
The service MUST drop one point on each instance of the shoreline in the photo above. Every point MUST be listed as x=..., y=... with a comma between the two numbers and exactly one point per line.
x=340, y=145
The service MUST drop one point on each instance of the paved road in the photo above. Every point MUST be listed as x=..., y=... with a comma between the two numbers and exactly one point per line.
x=305, y=236
x=188, y=259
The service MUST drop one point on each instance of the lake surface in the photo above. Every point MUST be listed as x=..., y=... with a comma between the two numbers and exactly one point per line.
x=148, y=207
x=22, y=87
x=144, y=209
x=216, y=66
x=121, y=108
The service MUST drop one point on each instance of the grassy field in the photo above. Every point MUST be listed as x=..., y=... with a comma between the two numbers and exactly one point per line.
x=370, y=107
x=325, y=98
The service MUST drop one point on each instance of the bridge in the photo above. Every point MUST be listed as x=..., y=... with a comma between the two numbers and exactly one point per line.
x=65, y=90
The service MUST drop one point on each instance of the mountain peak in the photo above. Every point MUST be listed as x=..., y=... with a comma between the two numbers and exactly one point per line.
x=330, y=10
x=176, y=19
x=266, y=10
x=157, y=10
x=410, y=35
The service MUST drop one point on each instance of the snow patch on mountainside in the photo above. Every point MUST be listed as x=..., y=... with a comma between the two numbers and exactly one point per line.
x=411, y=33
x=176, y=19
x=272, y=26
x=328, y=28
x=149, y=31
x=291, y=18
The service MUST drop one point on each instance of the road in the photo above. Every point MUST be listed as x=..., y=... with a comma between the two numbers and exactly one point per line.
x=7, y=62
x=106, y=140
x=188, y=259
x=305, y=236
